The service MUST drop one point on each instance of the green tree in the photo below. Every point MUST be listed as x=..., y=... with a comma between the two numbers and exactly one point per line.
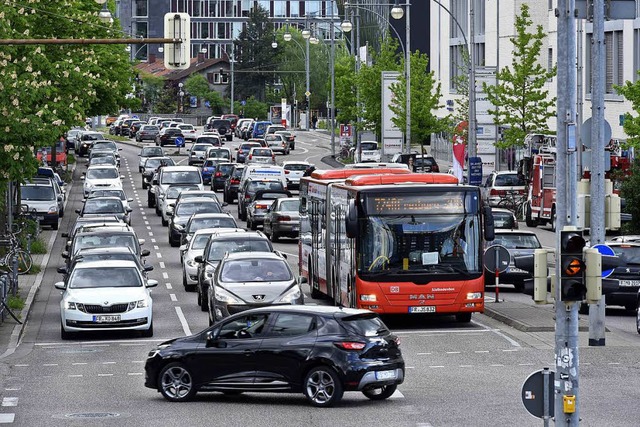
x=152, y=88
x=630, y=191
x=345, y=87
x=369, y=81
x=252, y=108
x=520, y=100
x=198, y=85
x=631, y=124
x=425, y=99
x=254, y=55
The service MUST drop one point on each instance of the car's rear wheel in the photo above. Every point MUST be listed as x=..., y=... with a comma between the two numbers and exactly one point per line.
x=176, y=383
x=322, y=387
x=381, y=393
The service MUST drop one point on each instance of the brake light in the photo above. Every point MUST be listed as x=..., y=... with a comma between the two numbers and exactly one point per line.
x=218, y=173
x=250, y=157
x=286, y=172
x=235, y=181
x=247, y=197
x=495, y=192
x=283, y=218
x=435, y=168
x=349, y=345
x=261, y=206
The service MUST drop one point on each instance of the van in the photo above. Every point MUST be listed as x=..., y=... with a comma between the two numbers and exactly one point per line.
x=260, y=128
x=369, y=152
x=41, y=199
x=260, y=171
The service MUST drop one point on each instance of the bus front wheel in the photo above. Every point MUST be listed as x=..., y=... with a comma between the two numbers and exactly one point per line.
x=463, y=317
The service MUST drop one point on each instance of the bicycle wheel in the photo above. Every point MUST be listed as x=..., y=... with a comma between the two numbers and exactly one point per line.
x=507, y=204
x=24, y=261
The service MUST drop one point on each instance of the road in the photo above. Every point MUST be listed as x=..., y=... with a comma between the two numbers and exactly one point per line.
x=457, y=375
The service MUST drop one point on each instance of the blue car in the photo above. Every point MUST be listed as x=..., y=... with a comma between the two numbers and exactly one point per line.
x=208, y=167
x=260, y=128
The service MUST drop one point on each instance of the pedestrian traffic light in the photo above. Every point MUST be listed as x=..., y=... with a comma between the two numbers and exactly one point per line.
x=572, y=267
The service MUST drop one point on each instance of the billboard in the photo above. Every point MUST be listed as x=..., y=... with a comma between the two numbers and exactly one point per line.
x=392, y=137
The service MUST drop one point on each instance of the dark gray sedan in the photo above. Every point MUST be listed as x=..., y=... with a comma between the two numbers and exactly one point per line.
x=245, y=280
x=283, y=219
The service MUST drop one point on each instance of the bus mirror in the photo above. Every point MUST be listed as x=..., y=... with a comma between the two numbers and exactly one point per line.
x=352, y=220
x=489, y=230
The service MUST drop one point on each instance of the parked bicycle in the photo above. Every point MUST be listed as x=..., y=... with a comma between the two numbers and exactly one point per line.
x=514, y=202
x=15, y=251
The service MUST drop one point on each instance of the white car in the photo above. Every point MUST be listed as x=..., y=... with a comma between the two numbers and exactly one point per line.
x=188, y=253
x=261, y=155
x=198, y=152
x=111, y=192
x=106, y=295
x=190, y=133
x=101, y=176
x=167, y=200
x=369, y=152
x=294, y=170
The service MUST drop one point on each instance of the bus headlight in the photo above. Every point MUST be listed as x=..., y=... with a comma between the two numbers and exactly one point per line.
x=474, y=295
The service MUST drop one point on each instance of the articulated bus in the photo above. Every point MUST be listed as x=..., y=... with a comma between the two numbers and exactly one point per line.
x=376, y=239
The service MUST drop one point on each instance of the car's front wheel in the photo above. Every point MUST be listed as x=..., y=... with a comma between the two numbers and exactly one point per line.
x=176, y=383
x=322, y=387
x=381, y=393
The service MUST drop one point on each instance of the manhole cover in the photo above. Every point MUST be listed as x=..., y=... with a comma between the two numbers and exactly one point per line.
x=93, y=415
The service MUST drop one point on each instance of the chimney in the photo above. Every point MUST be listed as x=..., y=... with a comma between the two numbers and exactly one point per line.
x=200, y=58
x=152, y=58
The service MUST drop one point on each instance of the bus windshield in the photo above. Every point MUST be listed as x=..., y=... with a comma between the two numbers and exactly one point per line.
x=439, y=244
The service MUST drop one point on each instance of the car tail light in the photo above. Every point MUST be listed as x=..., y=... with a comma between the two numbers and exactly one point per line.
x=495, y=192
x=218, y=174
x=250, y=157
x=247, y=197
x=350, y=345
x=261, y=206
x=283, y=218
x=286, y=172
x=235, y=181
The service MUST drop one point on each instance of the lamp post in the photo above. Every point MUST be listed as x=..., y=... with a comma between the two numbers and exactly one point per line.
x=288, y=37
x=104, y=15
x=396, y=13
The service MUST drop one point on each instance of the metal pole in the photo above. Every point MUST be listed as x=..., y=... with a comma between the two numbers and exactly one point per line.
x=359, y=121
x=307, y=73
x=333, y=89
x=580, y=99
x=566, y=337
x=597, y=231
x=471, y=147
x=232, y=81
x=497, y=156
x=407, y=65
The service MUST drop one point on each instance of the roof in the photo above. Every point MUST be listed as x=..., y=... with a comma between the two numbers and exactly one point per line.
x=107, y=263
x=346, y=173
x=157, y=68
x=248, y=255
x=179, y=168
x=211, y=215
x=312, y=309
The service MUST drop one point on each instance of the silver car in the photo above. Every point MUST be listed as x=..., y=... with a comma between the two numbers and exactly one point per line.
x=188, y=253
x=198, y=152
x=249, y=280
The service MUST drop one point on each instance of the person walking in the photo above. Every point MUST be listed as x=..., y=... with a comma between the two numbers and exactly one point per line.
x=314, y=121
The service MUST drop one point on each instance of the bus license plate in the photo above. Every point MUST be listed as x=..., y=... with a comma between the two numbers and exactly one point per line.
x=423, y=309
x=629, y=282
x=106, y=319
x=385, y=375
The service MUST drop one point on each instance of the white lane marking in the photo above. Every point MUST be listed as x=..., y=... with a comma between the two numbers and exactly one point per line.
x=162, y=265
x=108, y=363
x=510, y=349
x=75, y=375
x=151, y=235
x=481, y=351
x=105, y=375
x=146, y=223
x=22, y=365
x=144, y=217
x=169, y=286
x=453, y=352
x=527, y=364
x=7, y=418
x=79, y=363
x=148, y=227
x=448, y=331
x=105, y=343
x=585, y=363
x=135, y=373
x=173, y=297
x=423, y=354
x=137, y=361
x=9, y=401
x=465, y=366
x=183, y=321
x=165, y=275
x=497, y=365
x=13, y=389
x=156, y=247
x=498, y=333
x=49, y=364
x=397, y=395
x=158, y=255
x=132, y=344
x=437, y=366
x=613, y=363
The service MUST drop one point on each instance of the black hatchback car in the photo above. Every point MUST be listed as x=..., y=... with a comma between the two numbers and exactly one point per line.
x=319, y=351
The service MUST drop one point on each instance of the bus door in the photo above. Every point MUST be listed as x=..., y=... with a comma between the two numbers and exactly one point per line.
x=316, y=240
x=336, y=254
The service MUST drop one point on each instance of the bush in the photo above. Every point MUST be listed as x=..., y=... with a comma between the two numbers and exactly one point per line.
x=15, y=302
x=630, y=191
x=38, y=247
x=71, y=159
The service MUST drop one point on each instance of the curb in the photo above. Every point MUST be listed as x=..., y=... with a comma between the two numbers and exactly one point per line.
x=523, y=327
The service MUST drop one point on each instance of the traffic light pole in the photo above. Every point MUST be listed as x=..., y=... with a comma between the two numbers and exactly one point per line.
x=566, y=338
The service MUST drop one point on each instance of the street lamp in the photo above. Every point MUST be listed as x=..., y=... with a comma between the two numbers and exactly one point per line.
x=104, y=15
x=181, y=95
x=305, y=53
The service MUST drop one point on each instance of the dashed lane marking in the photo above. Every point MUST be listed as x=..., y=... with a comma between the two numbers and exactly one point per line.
x=481, y=351
x=9, y=401
x=158, y=255
x=424, y=354
x=105, y=375
x=453, y=352
x=436, y=366
x=49, y=364
x=135, y=373
x=156, y=247
x=183, y=321
x=173, y=297
x=497, y=332
x=79, y=363
x=168, y=285
x=151, y=235
x=161, y=263
x=108, y=363
x=165, y=275
x=7, y=418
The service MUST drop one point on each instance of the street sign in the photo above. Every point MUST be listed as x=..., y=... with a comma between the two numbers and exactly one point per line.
x=475, y=171
x=243, y=102
x=307, y=94
x=179, y=142
x=605, y=251
x=586, y=133
x=537, y=393
x=497, y=257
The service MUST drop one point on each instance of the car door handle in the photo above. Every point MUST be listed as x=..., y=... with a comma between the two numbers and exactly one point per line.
x=248, y=352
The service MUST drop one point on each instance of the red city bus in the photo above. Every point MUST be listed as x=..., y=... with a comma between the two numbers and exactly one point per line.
x=394, y=242
x=61, y=153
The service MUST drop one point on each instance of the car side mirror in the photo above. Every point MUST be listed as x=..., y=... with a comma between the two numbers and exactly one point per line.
x=351, y=219
x=282, y=254
x=489, y=227
x=62, y=270
x=141, y=242
x=154, y=182
x=151, y=283
x=212, y=339
x=60, y=197
x=60, y=285
x=129, y=210
x=78, y=211
x=129, y=200
x=148, y=268
x=199, y=259
x=302, y=280
x=82, y=177
x=182, y=248
x=121, y=176
x=65, y=234
x=65, y=254
x=145, y=252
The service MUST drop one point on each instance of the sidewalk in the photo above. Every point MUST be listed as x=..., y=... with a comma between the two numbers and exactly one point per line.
x=527, y=317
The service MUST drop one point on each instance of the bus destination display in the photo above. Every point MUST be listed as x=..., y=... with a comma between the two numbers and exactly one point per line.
x=411, y=203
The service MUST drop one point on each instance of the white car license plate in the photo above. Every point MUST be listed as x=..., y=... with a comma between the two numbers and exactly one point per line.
x=629, y=282
x=385, y=375
x=106, y=319
x=423, y=309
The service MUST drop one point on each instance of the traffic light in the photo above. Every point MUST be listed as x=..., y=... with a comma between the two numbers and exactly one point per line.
x=572, y=267
x=536, y=264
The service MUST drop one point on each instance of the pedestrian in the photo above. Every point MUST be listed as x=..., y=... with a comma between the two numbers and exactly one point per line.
x=314, y=121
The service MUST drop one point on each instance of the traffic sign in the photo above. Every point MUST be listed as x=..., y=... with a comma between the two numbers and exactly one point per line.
x=606, y=251
x=179, y=142
x=307, y=94
x=475, y=171
x=537, y=393
x=586, y=133
x=243, y=102
x=497, y=257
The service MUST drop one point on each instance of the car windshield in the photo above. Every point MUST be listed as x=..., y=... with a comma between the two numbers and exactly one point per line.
x=154, y=163
x=255, y=270
x=504, y=220
x=264, y=185
x=517, y=241
x=105, y=146
x=225, y=169
x=174, y=191
x=200, y=241
x=628, y=254
x=106, y=256
x=108, y=193
x=508, y=180
x=264, y=153
x=200, y=147
x=200, y=223
x=105, y=240
x=181, y=177
x=218, y=248
x=102, y=174
x=151, y=151
x=237, y=172
x=209, y=140
x=186, y=127
x=296, y=167
x=94, y=206
x=290, y=205
x=106, y=160
x=150, y=128
x=368, y=325
x=37, y=192
x=249, y=146
x=191, y=207
x=368, y=146
x=220, y=154
x=105, y=277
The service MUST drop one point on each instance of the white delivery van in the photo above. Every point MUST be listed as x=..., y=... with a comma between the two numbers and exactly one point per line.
x=258, y=171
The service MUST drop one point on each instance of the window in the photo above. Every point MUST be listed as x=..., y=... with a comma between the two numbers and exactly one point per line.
x=140, y=8
x=458, y=66
x=550, y=61
x=244, y=327
x=289, y=324
x=614, y=61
